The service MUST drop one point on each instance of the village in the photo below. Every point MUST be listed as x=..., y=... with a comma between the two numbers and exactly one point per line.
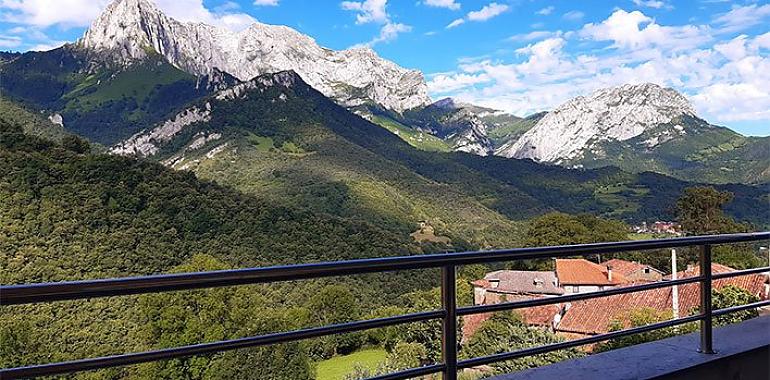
x=589, y=317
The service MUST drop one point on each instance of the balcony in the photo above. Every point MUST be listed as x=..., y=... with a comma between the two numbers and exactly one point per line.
x=701, y=346
x=743, y=352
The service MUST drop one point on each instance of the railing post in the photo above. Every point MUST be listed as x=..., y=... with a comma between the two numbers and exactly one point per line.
x=706, y=329
x=449, y=328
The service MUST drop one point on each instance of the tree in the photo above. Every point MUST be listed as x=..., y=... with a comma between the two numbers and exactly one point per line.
x=729, y=296
x=506, y=332
x=558, y=228
x=700, y=212
x=191, y=317
x=332, y=305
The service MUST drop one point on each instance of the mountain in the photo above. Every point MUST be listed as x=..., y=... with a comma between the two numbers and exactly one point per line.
x=448, y=125
x=613, y=114
x=640, y=128
x=277, y=137
x=101, y=103
x=130, y=31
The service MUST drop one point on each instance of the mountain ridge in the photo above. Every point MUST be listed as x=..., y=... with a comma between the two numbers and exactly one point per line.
x=131, y=30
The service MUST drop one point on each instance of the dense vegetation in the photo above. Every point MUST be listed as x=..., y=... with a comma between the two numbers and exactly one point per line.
x=100, y=103
x=704, y=153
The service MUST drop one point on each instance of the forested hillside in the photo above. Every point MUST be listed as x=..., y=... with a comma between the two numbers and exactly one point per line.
x=280, y=137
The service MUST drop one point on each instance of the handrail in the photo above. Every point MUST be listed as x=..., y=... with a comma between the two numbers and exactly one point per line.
x=47, y=292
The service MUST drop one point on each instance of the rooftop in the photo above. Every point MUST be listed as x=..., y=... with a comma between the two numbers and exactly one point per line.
x=516, y=281
x=584, y=272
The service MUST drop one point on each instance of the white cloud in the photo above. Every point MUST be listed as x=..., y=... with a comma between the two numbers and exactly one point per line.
x=80, y=13
x=368, y=11
x=546, y=11
x=267, y=3
x=574, y=15
x=726, y=80
x=742, y=17
x=657, y=4
x=455, y=23
x=448, y=4
x=635, y=30
x=43, y=13
x=47, y=46
x=7, y=42
x=534, y=35
x=487, y=12
x=442, y=83
x=374, y=11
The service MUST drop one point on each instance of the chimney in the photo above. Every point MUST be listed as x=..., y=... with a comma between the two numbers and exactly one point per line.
x=609, y=273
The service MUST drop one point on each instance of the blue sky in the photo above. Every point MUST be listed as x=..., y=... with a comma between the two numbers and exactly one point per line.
x=520, y=56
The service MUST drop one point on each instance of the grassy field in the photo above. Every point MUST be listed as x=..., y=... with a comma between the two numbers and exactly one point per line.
x=415, y=138
x=337, y=367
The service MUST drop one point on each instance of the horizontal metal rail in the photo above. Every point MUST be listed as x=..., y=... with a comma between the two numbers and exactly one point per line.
x=735, y=309
x=46, y=292
x=572, y=297
x=738, y=273
x=35, y=293
x=412, y=373
x=207, y=348
x=574, y=343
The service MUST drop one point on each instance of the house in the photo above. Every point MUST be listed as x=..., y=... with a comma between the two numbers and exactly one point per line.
x=505, y=283
x=634, y=271
x=595, y=316
x=581, y=276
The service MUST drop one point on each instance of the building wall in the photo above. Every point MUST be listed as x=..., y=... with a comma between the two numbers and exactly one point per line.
x=639, y=275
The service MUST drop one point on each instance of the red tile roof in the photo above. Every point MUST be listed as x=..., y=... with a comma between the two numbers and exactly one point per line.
x=694, y=270
x=535, y=316
x=594, y=316
x=584, y=272
x=625, y=267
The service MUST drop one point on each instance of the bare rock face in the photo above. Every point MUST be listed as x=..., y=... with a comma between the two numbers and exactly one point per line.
x=132, y=30
x=618, y=113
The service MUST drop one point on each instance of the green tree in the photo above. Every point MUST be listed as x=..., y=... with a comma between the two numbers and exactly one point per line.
x=700, y=211
x=729, y=296
x=505, y=332
x=191, y=317
x=332, y=305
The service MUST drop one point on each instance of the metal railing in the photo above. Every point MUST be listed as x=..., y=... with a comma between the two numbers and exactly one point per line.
x=448, y=263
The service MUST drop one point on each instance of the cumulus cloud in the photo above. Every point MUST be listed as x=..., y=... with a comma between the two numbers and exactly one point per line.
x=487, y=12
x=742, y=17
x=368, y=11
x=80, y=13
x=726, y=80
x=546, y=11
x=448, y=4
x=656, y=4
x=374, y=11
x=266, y=3
x=635, y=30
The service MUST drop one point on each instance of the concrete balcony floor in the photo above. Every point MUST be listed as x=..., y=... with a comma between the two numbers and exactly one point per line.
x=743, y=353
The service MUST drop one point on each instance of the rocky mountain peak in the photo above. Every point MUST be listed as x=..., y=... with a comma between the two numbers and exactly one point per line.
x=131, y=30
x=618, y=113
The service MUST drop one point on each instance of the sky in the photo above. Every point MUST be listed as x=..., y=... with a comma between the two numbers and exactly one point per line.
x=520, y=56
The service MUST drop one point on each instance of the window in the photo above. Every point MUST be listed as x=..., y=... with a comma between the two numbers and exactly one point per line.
x=647, y=270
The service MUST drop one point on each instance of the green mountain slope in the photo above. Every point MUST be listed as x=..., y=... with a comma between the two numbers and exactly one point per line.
x=688, y=148
x=104, y=104
x=278, y=136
